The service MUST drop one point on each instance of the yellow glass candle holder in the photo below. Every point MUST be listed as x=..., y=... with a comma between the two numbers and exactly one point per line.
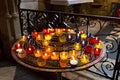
x=83, y=36
x=41, y=62
x=39, y=37
x=63, y=55
x=62, y=38
x=98, y=45
x=38, y=53
x=45, y=43
x=77, y=46
x=48, y=36
x=46, y=56
x=55, y=56
x=23, y=38
x=84, y=59
x=63, y=63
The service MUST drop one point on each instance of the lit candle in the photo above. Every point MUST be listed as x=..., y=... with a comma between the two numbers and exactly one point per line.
x=83, y=36
x=77, y=46
x=63, y=63
x=45, y=56
x=84, y=58
x=97, y=51
x=55, y=56
x=98, y=45
x=17, y=46
x=48, y=49
x=77, y=36
x=41, y=62
x=45, y=43
x=83, y=43
x=35, y=34
x=69, y=37
x=39, y=37
x=70, y=31
x=48, y=37
x=30, y=49
x=46, y=31
x=73, y=53
x=88, y=49
x=23, y=38
x=96, y=40
x=62, y=38
x=21, y=53
x=58, y=31
x=38, y=53
x=63, y=55
x=73, y=61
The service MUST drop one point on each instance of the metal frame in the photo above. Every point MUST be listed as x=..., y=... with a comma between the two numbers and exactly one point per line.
x=35, y=20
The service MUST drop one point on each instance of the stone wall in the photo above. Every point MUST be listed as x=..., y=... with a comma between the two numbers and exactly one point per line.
x=98, y=7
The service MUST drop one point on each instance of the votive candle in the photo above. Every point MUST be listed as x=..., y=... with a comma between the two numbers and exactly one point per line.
x=41, y=62
x=77, y=46
x=38, y=53
x=63, y=63
x=84, y=58
x=21, y=53
x=63, y=55
x=55, y=56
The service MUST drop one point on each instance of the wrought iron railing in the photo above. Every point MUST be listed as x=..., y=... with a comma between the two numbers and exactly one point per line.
x=35, y=20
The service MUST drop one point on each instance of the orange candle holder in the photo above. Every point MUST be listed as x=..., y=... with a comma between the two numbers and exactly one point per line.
x=38, y=53
x=63, y=63
x=49, y=49
x=58, y=31
x=55, y=56
x=73, y=53
x=46, y=56
x=41, y=62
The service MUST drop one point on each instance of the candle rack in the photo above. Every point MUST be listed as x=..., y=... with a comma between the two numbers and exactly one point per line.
x=58, y=50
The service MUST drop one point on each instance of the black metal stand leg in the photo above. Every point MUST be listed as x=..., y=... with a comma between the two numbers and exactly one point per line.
x=59, y=75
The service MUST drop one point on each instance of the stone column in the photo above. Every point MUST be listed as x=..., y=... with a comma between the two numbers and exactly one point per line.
x=5, y=29
x=14, y=21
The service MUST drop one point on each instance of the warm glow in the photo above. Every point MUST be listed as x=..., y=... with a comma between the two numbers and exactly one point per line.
x=63, y=55
x=55, y=56
x=48, y=37
x=77, y=46
x=84, y=58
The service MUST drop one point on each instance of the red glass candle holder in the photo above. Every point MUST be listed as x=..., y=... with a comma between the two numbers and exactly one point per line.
x=88, y=49
x=97, y=51
x=30, y=49
x=17, y=46
x=35, y=34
